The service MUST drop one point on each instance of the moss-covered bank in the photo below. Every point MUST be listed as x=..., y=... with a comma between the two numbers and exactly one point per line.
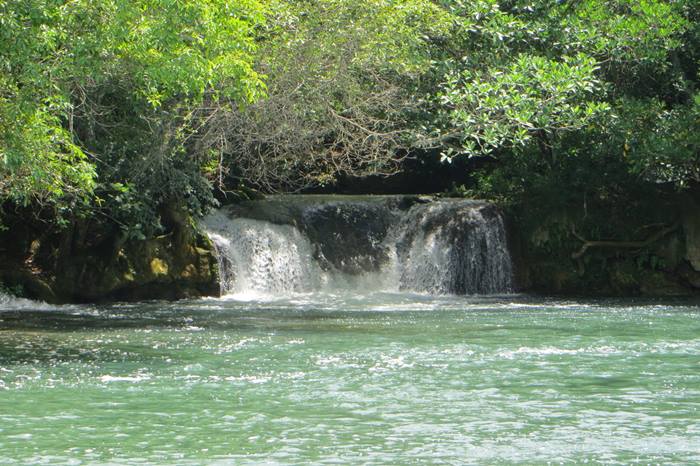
x=93, y=261
x=649, y=250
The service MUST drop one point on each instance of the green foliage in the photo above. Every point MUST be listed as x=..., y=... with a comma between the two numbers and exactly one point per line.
x=661, y=144
x=16, y=290
x=171, y=49
x=120, y=108
x=39, y=160
x=102, y=92
x=533, y=97
x=346, y=84
x=535, y=68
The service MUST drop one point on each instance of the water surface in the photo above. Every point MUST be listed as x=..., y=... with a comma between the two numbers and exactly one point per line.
x=349, y=379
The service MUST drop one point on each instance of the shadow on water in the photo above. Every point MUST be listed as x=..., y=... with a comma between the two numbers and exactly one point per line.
x=166, y=317
x=69, y=321
x=511, y=313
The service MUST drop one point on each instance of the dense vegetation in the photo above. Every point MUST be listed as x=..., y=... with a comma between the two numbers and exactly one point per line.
x=115, y=108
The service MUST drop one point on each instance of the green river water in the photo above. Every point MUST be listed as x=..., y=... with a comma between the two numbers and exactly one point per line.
x=328, y=379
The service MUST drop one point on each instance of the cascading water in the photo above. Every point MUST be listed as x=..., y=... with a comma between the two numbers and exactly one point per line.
x=453, y=247
x=13, y=303
x=5, y=299
x=255, y=255
x=288, y=244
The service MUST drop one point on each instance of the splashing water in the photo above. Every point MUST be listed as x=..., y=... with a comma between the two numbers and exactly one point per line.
x=259, y=256
x=12, y=302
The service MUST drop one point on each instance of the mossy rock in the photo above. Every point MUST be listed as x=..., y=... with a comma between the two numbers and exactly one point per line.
x=91, y=261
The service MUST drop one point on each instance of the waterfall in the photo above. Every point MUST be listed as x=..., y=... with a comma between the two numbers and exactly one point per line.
x=453, y=247
x=255, y=255
x=288, y=244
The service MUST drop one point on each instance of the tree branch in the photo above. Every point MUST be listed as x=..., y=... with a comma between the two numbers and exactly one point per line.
x=587, y=244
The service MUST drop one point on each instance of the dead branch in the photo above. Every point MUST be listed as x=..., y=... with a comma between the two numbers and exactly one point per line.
x=317, y=122
x=588, y=244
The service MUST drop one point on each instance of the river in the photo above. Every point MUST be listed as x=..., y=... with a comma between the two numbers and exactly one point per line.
x=347, y=378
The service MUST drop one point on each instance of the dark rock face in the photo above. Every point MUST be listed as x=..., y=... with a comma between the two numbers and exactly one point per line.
x=665, y=266
x=159, y=268
x=349, y=236
x=346, y=231
x=92, y=262
x=691, y=229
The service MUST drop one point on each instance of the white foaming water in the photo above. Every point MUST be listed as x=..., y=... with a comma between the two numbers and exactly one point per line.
x=13, y=303
x=441, y=247
x=258, y=256
x=448, y=247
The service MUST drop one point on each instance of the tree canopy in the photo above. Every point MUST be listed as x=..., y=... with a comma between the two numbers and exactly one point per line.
x=89, y=86
x=118, y=107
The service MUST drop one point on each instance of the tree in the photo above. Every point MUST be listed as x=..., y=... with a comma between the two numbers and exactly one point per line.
x=39, y=159
x=98, y=97
x=529, y=71
x=344, y=92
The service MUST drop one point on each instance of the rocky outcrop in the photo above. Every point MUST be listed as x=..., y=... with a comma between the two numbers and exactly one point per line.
x=91, y=261
x=691, y=228
x=158, y=268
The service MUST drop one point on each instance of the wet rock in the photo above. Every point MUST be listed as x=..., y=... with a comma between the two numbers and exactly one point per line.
x=691, y=228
